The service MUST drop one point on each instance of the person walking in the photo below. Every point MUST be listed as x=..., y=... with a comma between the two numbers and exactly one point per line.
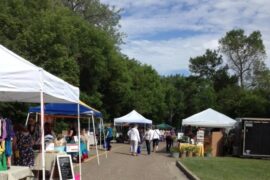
x=148, y=138
x=134, y=136
x=156, y=137
x=169, y=140
x=109, y=137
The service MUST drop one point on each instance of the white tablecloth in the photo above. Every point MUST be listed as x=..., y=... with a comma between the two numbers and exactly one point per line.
x=16, y=172
x=50, y=157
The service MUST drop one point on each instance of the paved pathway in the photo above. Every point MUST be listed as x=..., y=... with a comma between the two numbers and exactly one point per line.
x=120, y=165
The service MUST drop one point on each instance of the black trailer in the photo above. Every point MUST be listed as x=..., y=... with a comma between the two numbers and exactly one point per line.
x=255, y=137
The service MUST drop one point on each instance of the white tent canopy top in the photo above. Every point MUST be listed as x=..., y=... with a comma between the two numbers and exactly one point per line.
x=209, y=118
x=132, y=117
x=23, y=81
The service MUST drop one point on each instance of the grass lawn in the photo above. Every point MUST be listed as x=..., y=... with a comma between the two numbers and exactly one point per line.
x=229, y=168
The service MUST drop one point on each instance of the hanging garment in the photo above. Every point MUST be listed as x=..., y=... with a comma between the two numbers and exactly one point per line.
x=3, y=162
x=8, y=147
x=0, y=127
x=2, y=147
x=4, y=130
x=9, y=129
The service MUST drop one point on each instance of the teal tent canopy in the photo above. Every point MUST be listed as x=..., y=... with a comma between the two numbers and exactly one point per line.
x=164, y=126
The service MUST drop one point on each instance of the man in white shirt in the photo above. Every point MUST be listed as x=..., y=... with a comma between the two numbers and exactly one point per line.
x=134, y=136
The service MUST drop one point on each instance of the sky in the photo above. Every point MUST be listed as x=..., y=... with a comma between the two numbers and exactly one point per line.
x=166, y=33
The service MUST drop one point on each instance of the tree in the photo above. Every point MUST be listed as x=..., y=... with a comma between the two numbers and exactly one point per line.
x=243, y=52
x=210, y=66
x=101, y=15
x=207, y=65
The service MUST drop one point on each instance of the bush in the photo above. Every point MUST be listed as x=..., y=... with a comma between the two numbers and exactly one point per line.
x=174, y=149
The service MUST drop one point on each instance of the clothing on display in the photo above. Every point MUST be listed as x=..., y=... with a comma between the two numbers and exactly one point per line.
x=6, y=134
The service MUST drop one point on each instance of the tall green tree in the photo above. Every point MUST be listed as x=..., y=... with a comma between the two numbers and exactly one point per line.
x=98, y=14
x=206, y=65
x=243, y=52
x=210, y=66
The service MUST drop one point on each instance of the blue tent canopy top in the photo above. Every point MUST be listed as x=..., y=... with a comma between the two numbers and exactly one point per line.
x=66, y=109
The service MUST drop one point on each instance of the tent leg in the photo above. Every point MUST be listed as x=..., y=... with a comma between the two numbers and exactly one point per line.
x=89, y=125
x=101, y=119
x=79, y=137
x=42, y=134
x=27, y=119
x=95, y=140
x=100, y=129
x=89, y=132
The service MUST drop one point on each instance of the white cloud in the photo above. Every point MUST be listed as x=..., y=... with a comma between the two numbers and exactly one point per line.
x=207, y=20
x=169, y=55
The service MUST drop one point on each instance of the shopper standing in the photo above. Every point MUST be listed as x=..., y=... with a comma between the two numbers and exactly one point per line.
x=156, y=137
x=169, y=140
x=148, y=138
x=134, y=136
x=109, y=137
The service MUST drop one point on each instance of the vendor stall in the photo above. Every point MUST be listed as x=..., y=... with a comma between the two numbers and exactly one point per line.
x=132, y=117
x=123, y=122
x=22, y=81
x=211, y=125
x=68, y=110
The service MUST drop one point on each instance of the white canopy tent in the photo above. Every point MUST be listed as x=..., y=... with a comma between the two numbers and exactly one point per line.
x=209, y=118
x=132, y=117
x=22, y=81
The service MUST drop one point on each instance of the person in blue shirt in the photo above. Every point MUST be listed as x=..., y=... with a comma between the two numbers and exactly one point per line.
x=109, y=137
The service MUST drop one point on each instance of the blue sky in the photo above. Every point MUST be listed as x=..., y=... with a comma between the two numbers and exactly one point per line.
x=166, y=33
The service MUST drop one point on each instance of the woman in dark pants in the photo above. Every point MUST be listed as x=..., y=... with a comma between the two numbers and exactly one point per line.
x=148, y=137
x=169, y=141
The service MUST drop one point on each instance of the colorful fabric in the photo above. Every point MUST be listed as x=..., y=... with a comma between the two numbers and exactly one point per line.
x=9, y=129
x=2, y=147
x=4, y=130
x=3, y=162
x=8, y=147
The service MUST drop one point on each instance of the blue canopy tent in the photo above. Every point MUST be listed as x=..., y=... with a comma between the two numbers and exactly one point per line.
x=66, y=109
x=69, y=109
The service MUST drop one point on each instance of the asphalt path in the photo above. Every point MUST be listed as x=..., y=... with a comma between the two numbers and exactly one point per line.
x=120, y=165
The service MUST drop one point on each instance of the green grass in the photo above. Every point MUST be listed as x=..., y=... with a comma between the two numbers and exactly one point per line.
x=228, y=168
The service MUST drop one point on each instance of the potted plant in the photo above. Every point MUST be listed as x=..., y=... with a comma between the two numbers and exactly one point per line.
x=175, y=152
x=208, y=152
x=184, y=139
x=195, y=150
x=183, y=152
x=190, y=151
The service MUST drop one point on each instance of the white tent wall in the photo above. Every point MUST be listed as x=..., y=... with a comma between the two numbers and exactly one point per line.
x=22, y=81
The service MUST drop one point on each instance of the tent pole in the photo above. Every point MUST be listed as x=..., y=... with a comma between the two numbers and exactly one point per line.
x=101, y=119
x=27, y=119
x=37, y=117
x=95, y=140
x=89, y=125
x=89, y=133
x=100, y=134
x=42, y=134
x=79, y=137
